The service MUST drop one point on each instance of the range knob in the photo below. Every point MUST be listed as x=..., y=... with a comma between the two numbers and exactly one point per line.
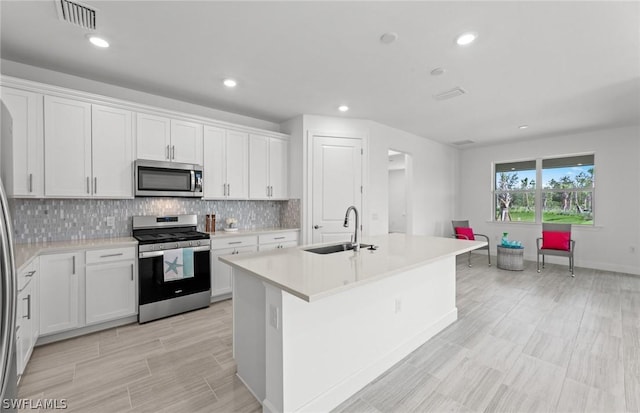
x=177, y=244
x=191, y=243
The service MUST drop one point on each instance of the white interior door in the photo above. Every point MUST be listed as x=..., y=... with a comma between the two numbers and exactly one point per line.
x=337, y=184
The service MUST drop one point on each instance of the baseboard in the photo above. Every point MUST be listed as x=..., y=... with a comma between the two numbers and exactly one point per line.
x=85, y=330
x=352, y=384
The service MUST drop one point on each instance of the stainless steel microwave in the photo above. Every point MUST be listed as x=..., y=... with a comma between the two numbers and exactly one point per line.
x=157, y=178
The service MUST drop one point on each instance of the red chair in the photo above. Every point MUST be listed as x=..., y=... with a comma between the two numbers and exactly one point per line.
x=462, y=230
x=556, y=240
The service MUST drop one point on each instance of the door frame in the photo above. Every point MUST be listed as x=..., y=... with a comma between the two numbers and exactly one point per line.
x=306, y=232
x=408, y=170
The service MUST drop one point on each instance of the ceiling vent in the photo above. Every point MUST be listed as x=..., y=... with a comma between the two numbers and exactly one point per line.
x=455, y=92
x=464, y=142
x=76, y=13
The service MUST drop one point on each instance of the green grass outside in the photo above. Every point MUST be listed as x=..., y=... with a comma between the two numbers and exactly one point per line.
x=551, y=217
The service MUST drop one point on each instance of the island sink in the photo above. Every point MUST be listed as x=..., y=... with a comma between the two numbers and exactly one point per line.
x=330, y=249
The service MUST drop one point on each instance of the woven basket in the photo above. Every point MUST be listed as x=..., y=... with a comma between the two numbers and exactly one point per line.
x=511, y=258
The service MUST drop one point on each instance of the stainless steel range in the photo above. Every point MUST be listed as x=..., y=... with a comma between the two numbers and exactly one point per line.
x=174, y=266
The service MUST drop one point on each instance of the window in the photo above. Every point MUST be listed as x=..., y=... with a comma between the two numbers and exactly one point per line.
x=565, y=195
x=515, y=196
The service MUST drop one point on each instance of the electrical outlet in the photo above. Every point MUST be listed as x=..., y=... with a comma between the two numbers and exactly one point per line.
x=398, y=305
x=274, y=316
x=111, y=221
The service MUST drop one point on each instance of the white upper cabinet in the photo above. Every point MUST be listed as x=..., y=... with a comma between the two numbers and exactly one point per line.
x=226, y=167
x=186, y=142
x=153, y=137
x=171, y=140
x=112, y=148
x=88, y=150
x=23, y=152
x=268, y=167
x=67, y=147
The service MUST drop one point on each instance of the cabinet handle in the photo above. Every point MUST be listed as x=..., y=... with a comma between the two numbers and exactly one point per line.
x=131, y=272
x=279, y=238
x=30, y=182
x=168, y=152
x=88, y=185
x=28, y=316
x=73, y=269
x=235, y=242
x=95, y=184
x=224, y=189
x=30, y=273
x=317, y=226
x=173, y=152
x=228, y=189
x=112, y=255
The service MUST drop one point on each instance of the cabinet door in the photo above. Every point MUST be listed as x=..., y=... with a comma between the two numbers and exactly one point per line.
x=24, y=319
x=221, y=273
x=59, y=279
x=214, y=163
x=23, y=152
x=237, y=160
x=112, y=150
x=278, y=159
x=110, y=291
x=258, y=167
x=67, y=147
x=186, y=142
x=153, y=137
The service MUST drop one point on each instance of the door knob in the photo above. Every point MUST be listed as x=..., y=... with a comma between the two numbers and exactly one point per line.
x=317, y=226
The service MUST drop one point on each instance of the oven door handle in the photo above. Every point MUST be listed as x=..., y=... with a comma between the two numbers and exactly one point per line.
x=151, y=254
x=193, y=180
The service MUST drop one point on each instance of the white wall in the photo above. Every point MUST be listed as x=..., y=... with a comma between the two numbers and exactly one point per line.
x=606, y=246
x=432, y=184
x=397, y=200
x=37, y=74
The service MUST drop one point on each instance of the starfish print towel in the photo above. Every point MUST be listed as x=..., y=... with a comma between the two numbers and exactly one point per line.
x=178, y=264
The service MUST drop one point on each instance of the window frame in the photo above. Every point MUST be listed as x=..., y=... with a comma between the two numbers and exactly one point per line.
x=539, y=189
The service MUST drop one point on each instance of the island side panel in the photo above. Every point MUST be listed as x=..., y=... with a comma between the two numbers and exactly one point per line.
x=249, y=331
x=334, y=346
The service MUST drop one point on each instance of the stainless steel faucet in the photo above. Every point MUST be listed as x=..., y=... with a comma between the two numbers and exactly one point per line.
x=355, y=244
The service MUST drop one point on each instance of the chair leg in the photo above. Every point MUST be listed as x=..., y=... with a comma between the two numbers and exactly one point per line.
x=571, y=266
x=538, y=261
x=543, y=261
x=469, y=259
x=489, y=256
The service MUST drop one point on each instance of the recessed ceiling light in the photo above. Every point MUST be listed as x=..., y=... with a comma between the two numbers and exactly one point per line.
x=466, y=38
x=97, y=41
x=437, y=71
x=523, y=126
x=230, y=83
x=343, y=108
x=389, y=37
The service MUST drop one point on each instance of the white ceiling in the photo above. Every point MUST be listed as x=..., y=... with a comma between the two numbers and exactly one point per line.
x=559, y=67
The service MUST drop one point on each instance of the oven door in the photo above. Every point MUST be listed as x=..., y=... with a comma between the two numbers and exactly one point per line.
x=155, y=286
x=155, y=178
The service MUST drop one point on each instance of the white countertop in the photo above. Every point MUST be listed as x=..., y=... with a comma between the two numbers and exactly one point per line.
x=312, y=276
x=256, y=231
x=24, y=253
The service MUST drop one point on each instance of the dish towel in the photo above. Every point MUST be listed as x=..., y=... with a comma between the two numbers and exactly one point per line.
x=178, y=264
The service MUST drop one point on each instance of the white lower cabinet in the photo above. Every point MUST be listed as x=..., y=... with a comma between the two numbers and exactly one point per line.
x=27, y=315
x=277, y=240
x=221, y=273
x=59, y=291
x=110, y=287
x=85, y=288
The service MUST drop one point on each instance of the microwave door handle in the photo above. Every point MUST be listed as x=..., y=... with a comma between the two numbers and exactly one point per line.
x=193, y=181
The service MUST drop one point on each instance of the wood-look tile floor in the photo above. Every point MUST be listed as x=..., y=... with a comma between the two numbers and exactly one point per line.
x=523, y=342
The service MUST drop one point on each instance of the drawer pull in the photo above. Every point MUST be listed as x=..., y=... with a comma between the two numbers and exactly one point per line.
x=235, y=242
x=279, y=237
x=73, y=270
x=28, y=316
x=112, y=255
x=131, y=272
x=30, y=273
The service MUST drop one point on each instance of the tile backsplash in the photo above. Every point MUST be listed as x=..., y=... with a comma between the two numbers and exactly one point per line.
x=43, y=220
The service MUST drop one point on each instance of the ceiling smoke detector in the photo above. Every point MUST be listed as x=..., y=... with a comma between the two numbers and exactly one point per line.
x=449, y=94
x=76, y=13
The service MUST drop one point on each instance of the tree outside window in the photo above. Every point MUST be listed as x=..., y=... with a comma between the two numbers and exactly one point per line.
x=515, y=186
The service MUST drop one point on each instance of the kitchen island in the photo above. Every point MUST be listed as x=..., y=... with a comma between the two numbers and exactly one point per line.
x=309, y=330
